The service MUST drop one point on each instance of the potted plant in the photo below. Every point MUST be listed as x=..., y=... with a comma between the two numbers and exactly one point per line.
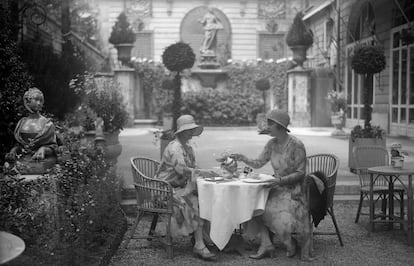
x=102, y=113
x=299, y=38
x=338, y=108
x=366, y=61
x=123, y=38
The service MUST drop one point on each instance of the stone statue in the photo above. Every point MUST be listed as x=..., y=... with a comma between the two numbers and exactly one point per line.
x=211, y=24
x=36, y=146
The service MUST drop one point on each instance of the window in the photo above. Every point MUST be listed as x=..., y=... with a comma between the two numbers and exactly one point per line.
x=143, y=45
x=402, y=81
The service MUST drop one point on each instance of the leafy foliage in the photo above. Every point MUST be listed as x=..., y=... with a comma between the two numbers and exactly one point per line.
x=52, y=74
x=298, y=34
x=263, y=84
x=99, y=99
x=152, y=76
x=14, y=81
x=367, y=132
x=213, y=107
x=81, y=193
x=178, y=56
x=122, y=31
x=337, y=100
x=368, y=59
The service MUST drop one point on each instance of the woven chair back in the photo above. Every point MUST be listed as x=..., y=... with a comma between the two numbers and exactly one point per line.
x=370, y=156
x=152, y=194
x=328, y=164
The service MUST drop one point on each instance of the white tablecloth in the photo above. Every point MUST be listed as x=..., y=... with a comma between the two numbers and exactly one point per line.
x=228, y=204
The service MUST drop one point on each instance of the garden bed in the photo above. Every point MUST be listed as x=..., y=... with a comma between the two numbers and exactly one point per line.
x=100, y=255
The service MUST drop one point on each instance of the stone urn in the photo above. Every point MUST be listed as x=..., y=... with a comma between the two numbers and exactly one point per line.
x=299, y=54
x=124, y=52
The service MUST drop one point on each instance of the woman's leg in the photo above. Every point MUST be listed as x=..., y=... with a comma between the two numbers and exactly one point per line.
x=266, y=246
x=198, y=236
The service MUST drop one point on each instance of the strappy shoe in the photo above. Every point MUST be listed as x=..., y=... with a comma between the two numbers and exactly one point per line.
x=204, y=253
x=268, y=251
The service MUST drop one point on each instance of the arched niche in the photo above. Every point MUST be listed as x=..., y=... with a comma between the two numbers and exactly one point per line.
x=191, y=32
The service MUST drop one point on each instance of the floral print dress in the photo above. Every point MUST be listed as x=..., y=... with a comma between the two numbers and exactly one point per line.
x=286, y=209
x=176, y=160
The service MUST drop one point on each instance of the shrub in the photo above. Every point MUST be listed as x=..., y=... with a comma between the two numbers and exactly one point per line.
x=178, y=56
x=368, y=59
x=122, y=31
x=213, y=107
x=298, y=34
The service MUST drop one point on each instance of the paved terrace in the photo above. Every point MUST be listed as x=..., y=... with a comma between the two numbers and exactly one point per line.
x=140, y=141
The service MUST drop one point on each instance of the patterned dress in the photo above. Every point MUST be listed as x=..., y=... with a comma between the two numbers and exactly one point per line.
x=286, y=209
x=176, y=160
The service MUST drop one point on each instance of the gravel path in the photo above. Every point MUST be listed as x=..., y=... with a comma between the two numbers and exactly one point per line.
x=384, y=247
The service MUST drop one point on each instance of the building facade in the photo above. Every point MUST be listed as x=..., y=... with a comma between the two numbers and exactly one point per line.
x=363, y=22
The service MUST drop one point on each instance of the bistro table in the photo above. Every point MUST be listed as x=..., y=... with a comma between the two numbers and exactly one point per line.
x=392, y=175
x=11, y=246
x=229, y=203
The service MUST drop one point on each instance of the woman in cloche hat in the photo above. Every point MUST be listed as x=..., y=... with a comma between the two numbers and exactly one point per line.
x=178, y=168
x=285, y=210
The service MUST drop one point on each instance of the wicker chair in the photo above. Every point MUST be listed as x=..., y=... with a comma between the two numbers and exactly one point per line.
x=370, y=156
x=328, y=164
x=154, y=197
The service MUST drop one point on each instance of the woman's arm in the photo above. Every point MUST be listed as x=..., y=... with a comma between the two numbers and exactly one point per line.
x=263, y=158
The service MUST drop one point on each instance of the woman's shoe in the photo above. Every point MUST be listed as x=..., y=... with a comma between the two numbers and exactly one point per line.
x=268, y=251
x=204, y=254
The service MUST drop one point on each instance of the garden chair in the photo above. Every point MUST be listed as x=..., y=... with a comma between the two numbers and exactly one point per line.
x=328, y=164
x=370, y=156
x=154, y=197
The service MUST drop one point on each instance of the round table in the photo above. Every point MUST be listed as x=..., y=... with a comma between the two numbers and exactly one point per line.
x=394, y=173
x=11, y=246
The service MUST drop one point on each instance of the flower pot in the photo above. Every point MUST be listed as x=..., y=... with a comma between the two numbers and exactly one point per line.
x=299, y=54
x=124, y=52
x=112, y=146
x=338, y=121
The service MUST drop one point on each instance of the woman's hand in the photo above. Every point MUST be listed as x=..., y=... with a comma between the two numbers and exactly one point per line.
x=238, y=157
x=274, y=182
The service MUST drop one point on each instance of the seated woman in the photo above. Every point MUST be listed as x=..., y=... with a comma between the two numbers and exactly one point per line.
x=35, y=134
x=179, y=169
x=286, y=209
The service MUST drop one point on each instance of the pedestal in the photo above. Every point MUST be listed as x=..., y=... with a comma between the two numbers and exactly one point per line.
x=126, y=79
x=299, y=97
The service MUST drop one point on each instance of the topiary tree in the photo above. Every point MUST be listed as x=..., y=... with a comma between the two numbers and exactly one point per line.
x=298, y=34
x=122, y=31
x=14, y=81
x=367, y=61
x=176, y=58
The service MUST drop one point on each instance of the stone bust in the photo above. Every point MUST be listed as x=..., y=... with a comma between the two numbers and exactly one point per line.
x=36, y=138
